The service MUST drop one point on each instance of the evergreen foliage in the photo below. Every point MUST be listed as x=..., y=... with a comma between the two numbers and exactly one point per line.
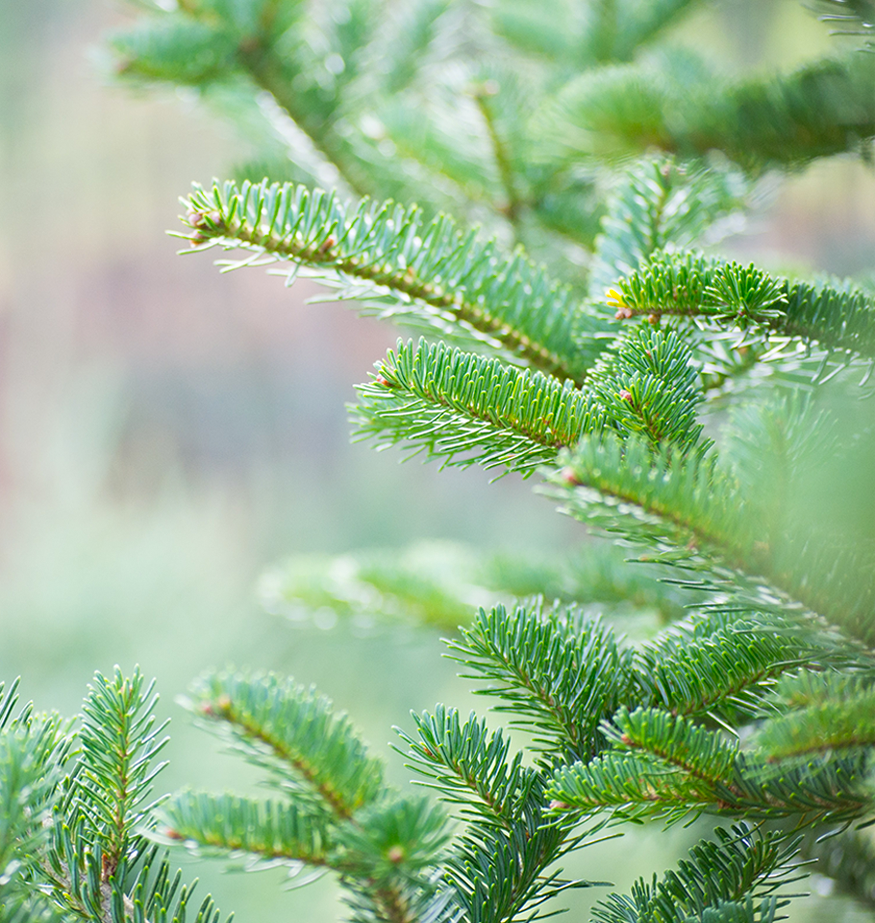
x=77, y=815
x=594, y=159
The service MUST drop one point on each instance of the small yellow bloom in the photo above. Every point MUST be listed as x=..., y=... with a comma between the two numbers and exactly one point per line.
x=615, y=298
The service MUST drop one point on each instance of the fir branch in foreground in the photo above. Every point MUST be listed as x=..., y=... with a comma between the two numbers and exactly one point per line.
x=73, y=818
x=444, y=277
x=120, y=739
x=452, y=404
x=732, y=880
x=32, y=749
x=659, y=203
x=331, y=810
x=559, y=672
x=468, y=764
x=716, y=664
x=836, y=316
x=665, y=766
x=268, y=829
x=500, y=866
x=295, y=734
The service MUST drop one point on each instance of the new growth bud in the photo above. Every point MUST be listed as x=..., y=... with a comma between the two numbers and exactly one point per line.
x=569, y=477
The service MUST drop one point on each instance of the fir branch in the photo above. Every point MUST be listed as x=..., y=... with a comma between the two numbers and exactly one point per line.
x=659, y=204
x=506, y=877
x=120, y=740
x=813, y=791
x=665, y=766
x=726, y=670
x=604, y=32
x=384, y=855
x=388, y=856
x=468, y=765
x=178, y=49
x=294, y=733
x=559, y=672
x=158, y=895
x=678, y=505
x=90, y=861
x=829, y=713
x=342, y=817
x=633, y=786
x=593, y=574
x=694, y=516
x=702, y=754
x=413, y=29
x=8, y=701
x=204, y=45
x=499, y=867
x=443, y=276
x=823, y=108
x=642, y=23
x=850, y=17
x=511, y=208
x=441, y=584
x=451, y=404
x=847, y=856
x=728, y=881
x=394, y=840
x=838, y=317
x=431, y=583
x=32, y=750
x=269, y=71
x=230, y=823
x=646, y=385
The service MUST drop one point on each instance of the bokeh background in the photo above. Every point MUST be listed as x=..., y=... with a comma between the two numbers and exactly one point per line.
x=166, y=433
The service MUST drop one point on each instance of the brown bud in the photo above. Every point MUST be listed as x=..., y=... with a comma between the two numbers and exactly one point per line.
x=223, y=703
x=623, y=313
x=395, y=854
x=653, y=319
x=559, y=806
x=569, y=477
x=204, y=219
x=328, y=243
x=626, y=395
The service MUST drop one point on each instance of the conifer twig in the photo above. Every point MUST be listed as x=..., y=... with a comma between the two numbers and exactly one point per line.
x=506, y=299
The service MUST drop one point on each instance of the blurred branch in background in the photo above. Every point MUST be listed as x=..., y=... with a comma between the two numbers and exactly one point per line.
x=443, y=584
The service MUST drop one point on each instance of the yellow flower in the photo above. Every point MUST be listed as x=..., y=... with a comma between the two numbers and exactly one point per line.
x=615, y=298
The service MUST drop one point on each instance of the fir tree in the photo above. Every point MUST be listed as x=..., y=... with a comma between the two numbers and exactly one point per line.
x=580, y=335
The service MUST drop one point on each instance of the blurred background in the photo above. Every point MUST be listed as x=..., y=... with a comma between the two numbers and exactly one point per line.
x=166, y=433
